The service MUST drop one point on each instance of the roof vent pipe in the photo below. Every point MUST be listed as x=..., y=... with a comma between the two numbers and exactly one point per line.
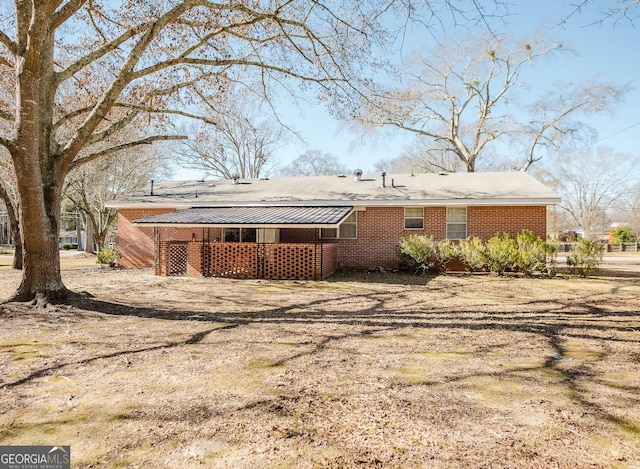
x=357, y=175
x=383, y=174
x=152, y=187
x=236, y=178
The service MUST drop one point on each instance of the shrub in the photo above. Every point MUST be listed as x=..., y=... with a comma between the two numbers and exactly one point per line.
x=531, y=253
x=501, y=253
x=621, y=234
x=447, y=250
x=109, y=256
x=420, y=251
x=472, y=252
x=585, y=257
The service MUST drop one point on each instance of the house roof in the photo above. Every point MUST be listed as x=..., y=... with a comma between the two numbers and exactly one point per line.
x=497, y=188
x=310, y=217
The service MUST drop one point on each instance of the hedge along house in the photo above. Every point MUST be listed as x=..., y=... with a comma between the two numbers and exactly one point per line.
x=307, y=227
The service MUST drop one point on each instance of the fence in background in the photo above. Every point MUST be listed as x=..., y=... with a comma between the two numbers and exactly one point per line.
x=609, y=247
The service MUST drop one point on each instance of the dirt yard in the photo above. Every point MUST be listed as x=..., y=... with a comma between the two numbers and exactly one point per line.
x=362, y=370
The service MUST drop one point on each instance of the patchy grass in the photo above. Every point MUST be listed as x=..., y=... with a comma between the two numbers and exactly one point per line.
x=361, y=370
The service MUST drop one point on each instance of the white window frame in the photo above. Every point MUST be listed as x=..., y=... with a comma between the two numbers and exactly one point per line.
x=351, y=220
x=413, y=218
x=457, y=222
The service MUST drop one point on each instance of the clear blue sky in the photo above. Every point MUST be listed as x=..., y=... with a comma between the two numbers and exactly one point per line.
x=609, y=51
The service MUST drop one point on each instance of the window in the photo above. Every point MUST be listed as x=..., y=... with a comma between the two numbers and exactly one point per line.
x=328, y=232
x=456, y=222
x=347, y=230
x=240, y=235
x=413, y=218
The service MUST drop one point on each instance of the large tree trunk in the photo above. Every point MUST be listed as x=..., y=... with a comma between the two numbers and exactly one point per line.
x=37, y=166
x=41, y=276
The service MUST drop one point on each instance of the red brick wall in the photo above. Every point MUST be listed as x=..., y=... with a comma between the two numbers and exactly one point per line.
x=299, y=235
x=136, y=243
x=329, y=259
x=486, y=222
x=379, y=232
x=381, y=228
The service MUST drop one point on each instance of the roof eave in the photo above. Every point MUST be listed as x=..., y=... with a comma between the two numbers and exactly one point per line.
x=334, y=203
x=237, y=225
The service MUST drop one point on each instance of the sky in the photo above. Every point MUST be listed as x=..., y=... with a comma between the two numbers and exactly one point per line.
x=608, y=51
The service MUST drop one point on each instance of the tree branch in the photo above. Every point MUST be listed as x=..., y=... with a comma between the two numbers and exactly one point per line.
x=98, y=53
x=145, y=141
x=113, y=128
x=11, y=46
x=8, y=144
x=7, y=116
x=66, y=12
x=106, y=102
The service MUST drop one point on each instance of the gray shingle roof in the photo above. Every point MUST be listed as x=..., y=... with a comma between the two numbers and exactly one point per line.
x=264, y=216
x=500, y=188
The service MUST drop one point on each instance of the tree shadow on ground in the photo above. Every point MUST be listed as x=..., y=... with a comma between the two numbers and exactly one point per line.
x=556, y=321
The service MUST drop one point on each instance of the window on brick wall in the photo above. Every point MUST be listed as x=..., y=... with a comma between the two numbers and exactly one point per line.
x=328, y=233
x=413, y=218
x=347, y=230
x=240, y=235
x=456, y=222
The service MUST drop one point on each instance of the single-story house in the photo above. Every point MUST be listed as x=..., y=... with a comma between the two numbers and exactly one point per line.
x=307, y=227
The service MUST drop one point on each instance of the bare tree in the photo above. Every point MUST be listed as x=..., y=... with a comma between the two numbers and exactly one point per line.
x=91, y=186
x=421, y=157
x=242, y=141
x=615, y=12
x=590, y=183
x=464, y=99
x=627, y=208
x=315, y=163
x=9, y=197
x=82, y=71
x=633, y=204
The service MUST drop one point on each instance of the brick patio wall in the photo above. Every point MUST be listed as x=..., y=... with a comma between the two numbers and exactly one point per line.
x=293, y=261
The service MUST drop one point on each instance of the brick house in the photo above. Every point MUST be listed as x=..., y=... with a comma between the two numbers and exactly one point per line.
x=307, y=227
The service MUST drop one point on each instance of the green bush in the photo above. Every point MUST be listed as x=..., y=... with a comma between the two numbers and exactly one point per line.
x=621, y=234
x=532, y=253
x=472, y=252
x=447, y=250
x=419, y=251
x=501, y=253
x=585, y=257
x=109, y=256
